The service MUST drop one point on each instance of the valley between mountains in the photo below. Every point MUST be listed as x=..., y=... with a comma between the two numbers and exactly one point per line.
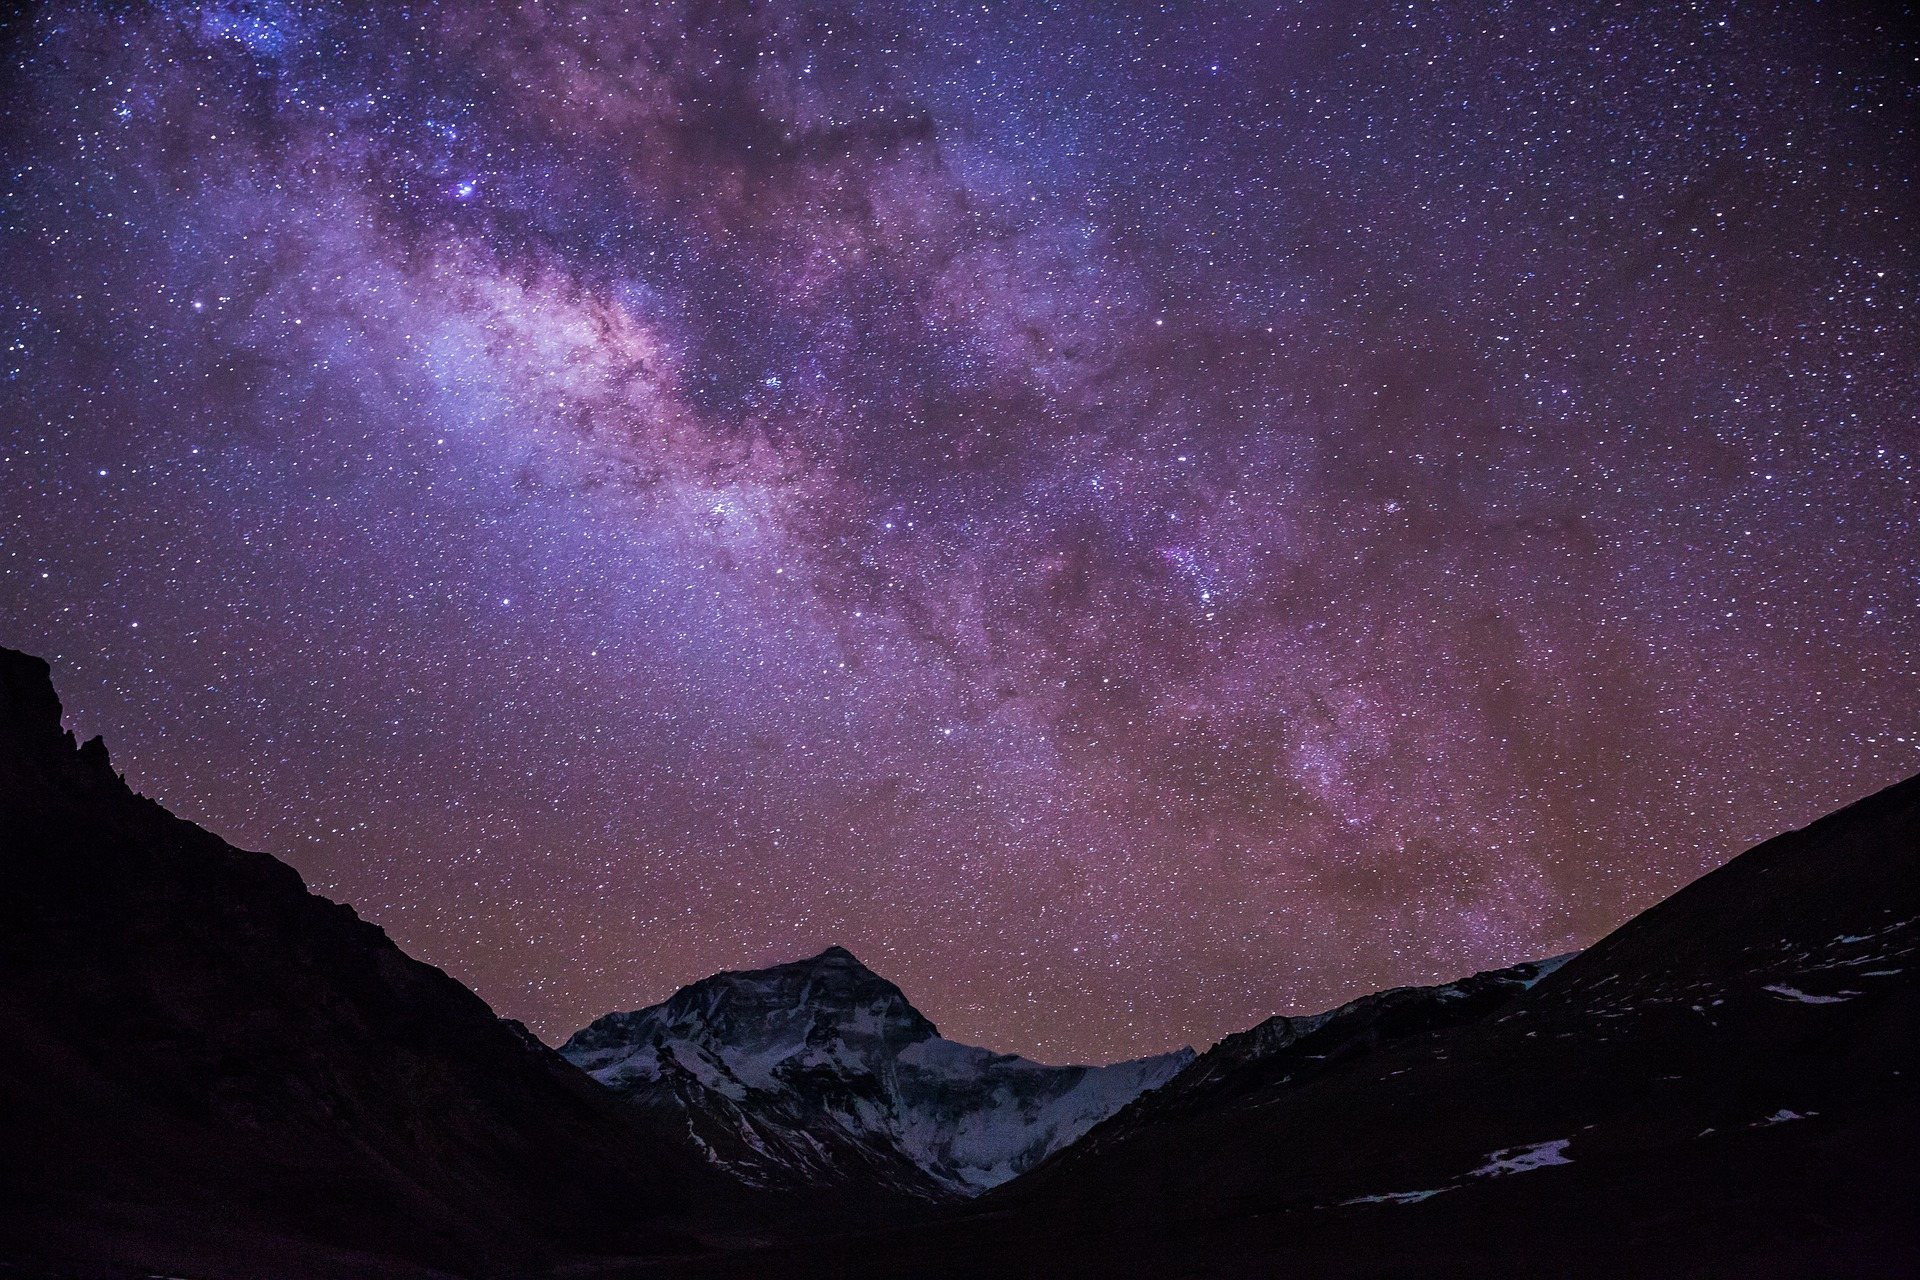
x=208, y=1071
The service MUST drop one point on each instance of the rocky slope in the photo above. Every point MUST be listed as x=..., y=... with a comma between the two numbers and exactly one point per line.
x=1291, y=1050
x=205, y=1069
x=819, y=1073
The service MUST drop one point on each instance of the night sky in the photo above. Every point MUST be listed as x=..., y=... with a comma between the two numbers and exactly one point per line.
x=1129, y=520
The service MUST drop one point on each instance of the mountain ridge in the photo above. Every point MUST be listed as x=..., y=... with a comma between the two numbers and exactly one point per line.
x=208, y=1067
x=1315, y=1043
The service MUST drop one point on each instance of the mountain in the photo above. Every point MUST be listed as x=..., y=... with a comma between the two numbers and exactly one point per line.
x=205, y=1069
x=1725, y=1085
x=819, y=1074
x=1289, y=1050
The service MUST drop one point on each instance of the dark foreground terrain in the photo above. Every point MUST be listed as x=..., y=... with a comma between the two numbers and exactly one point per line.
x=207, y=1071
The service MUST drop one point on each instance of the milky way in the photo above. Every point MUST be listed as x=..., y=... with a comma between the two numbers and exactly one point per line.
x=1131, y=520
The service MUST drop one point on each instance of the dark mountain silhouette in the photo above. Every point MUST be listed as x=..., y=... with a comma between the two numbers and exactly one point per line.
x=1289, y=1050
x=206, y=1069
x=1724, y=1086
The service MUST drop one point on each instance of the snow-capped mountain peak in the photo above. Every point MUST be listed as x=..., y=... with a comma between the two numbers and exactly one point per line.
x=821, y=1072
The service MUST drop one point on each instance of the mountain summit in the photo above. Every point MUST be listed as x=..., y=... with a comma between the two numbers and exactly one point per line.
x=831, y=995
x=819, y=1074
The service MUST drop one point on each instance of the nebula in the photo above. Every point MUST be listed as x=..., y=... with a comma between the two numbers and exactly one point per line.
x=1131, y=519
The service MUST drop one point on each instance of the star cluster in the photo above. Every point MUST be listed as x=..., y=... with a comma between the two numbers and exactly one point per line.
x=1130, y=518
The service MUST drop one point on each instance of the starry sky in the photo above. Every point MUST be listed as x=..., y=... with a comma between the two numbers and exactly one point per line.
x=1131, y=518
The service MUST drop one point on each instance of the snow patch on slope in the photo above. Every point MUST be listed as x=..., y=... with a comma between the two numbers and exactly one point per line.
x=1524, y=1159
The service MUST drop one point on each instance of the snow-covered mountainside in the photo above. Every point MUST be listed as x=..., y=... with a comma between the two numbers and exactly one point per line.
x=820, y=1072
